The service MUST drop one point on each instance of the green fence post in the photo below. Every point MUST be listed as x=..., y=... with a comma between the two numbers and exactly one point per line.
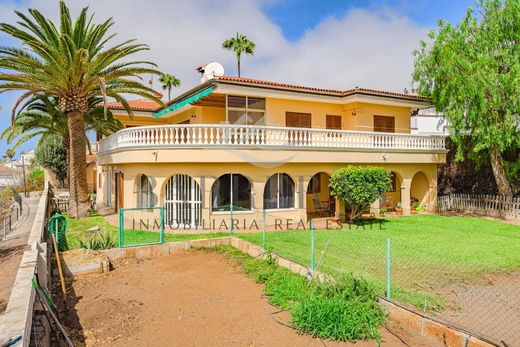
x=121, y=227
x=231, y=220
x=161, y=216
x=264, y=220
x=56, y=231
x=388, y=268
x=312, y=245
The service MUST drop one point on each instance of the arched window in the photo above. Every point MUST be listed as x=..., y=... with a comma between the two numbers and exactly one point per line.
x=279, y=192
x=231, y=190
x=183, y=201
x=144, y=192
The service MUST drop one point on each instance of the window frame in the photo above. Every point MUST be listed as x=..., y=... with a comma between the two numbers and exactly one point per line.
x=279, y=191
x=215, y=209
x=246, y=110
x=144, y=201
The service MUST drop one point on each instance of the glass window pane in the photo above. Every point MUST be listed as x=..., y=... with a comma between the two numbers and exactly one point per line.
x=271, y=192
x=286, y=191
x=237, y=117
x=241, y=193
x=236, y=101
x=220, y=192
x=256, y=103
x=255, y=118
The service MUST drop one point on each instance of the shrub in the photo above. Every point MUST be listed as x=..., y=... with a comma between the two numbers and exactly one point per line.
x=345, y=310
x=101, y=240
x=35, y=179
x=52, y=155
x=6, y=197
x=359, y=186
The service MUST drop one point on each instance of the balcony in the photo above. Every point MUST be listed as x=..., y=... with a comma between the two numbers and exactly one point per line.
x=252, y=136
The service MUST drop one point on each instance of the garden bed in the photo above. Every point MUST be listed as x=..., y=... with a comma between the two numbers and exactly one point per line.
x=185, y=298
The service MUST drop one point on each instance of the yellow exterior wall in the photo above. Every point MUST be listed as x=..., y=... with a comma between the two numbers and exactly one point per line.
x=364, y=118
x=276, y=109
x=206, y=174
x=361, y=120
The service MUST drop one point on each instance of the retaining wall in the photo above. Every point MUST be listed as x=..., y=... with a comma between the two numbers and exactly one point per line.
x=22, y=315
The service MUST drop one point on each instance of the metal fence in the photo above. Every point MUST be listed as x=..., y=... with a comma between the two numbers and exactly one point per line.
x=9, y=218
x=440, y=266
x=489, y=205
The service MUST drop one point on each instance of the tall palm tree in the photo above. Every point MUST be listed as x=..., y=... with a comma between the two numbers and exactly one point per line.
x=72, y=63
x=239, y=44
x=168, y=81
x=41, y=116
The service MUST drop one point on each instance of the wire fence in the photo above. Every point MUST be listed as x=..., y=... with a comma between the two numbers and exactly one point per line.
x=461, y=271
x=444, y=267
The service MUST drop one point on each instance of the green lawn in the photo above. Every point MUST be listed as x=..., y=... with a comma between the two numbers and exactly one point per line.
x=427, y=252
x=76, y=231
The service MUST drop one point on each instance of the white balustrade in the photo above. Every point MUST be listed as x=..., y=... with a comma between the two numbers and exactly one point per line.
x=250, y=136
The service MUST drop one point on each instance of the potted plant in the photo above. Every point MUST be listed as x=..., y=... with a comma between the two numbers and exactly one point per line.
x=399, y=209
x=382, y=211
x=413, y=209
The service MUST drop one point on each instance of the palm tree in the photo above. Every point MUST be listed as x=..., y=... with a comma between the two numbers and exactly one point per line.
x=10, y=153
x=168, y=81
x=41, y=116
x=239, y=44
x=72, y=63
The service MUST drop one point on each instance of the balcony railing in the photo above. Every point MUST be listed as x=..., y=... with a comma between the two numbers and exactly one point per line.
x=251, y=136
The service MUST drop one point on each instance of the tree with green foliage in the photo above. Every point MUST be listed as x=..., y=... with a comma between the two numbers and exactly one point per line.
x=239, y=44
x=35, y=179
x=359, y=186
x=73, y=63
x=168, y=82
x=10, y=153
x=52, y=155
x=42, y=117
x=471, y=71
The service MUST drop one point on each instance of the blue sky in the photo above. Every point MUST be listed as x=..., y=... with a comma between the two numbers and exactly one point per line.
x=298, y=41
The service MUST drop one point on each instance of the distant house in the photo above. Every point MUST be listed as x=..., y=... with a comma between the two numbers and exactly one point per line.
x=429, y=121
x=10, y=176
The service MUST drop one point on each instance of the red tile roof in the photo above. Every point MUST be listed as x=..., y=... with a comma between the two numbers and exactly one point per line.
x=332, y=92
x=136, y=105
x=151, y=106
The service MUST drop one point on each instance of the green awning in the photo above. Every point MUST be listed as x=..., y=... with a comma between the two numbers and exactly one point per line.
x=185, y=101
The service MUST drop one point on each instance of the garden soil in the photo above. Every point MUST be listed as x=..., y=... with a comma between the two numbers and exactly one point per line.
x=189, y=298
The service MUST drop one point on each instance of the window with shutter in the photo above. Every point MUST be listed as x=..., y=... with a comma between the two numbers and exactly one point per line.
x=384, y=124
x=333, y=122
x=297, y=120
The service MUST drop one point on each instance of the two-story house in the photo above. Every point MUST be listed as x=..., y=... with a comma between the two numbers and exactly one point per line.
x=249, y=145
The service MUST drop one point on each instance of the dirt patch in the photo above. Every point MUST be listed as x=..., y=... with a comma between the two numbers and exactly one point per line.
x=490, y=308
x=11, y=252
x=190, y=298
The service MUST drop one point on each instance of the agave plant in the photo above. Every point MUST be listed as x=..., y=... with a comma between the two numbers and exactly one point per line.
x=73, y=63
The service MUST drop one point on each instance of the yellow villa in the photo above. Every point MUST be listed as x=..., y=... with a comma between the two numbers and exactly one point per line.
x=257, y=145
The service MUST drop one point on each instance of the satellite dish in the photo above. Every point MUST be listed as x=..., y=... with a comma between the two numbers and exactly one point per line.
x=212, y=70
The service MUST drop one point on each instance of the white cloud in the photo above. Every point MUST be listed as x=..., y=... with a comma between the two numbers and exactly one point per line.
x=369, y=49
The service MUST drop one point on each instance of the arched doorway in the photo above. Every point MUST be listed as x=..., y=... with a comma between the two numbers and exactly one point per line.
x=392, y=198
x=319, y=202
x=182, y=201
x=420, y=190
